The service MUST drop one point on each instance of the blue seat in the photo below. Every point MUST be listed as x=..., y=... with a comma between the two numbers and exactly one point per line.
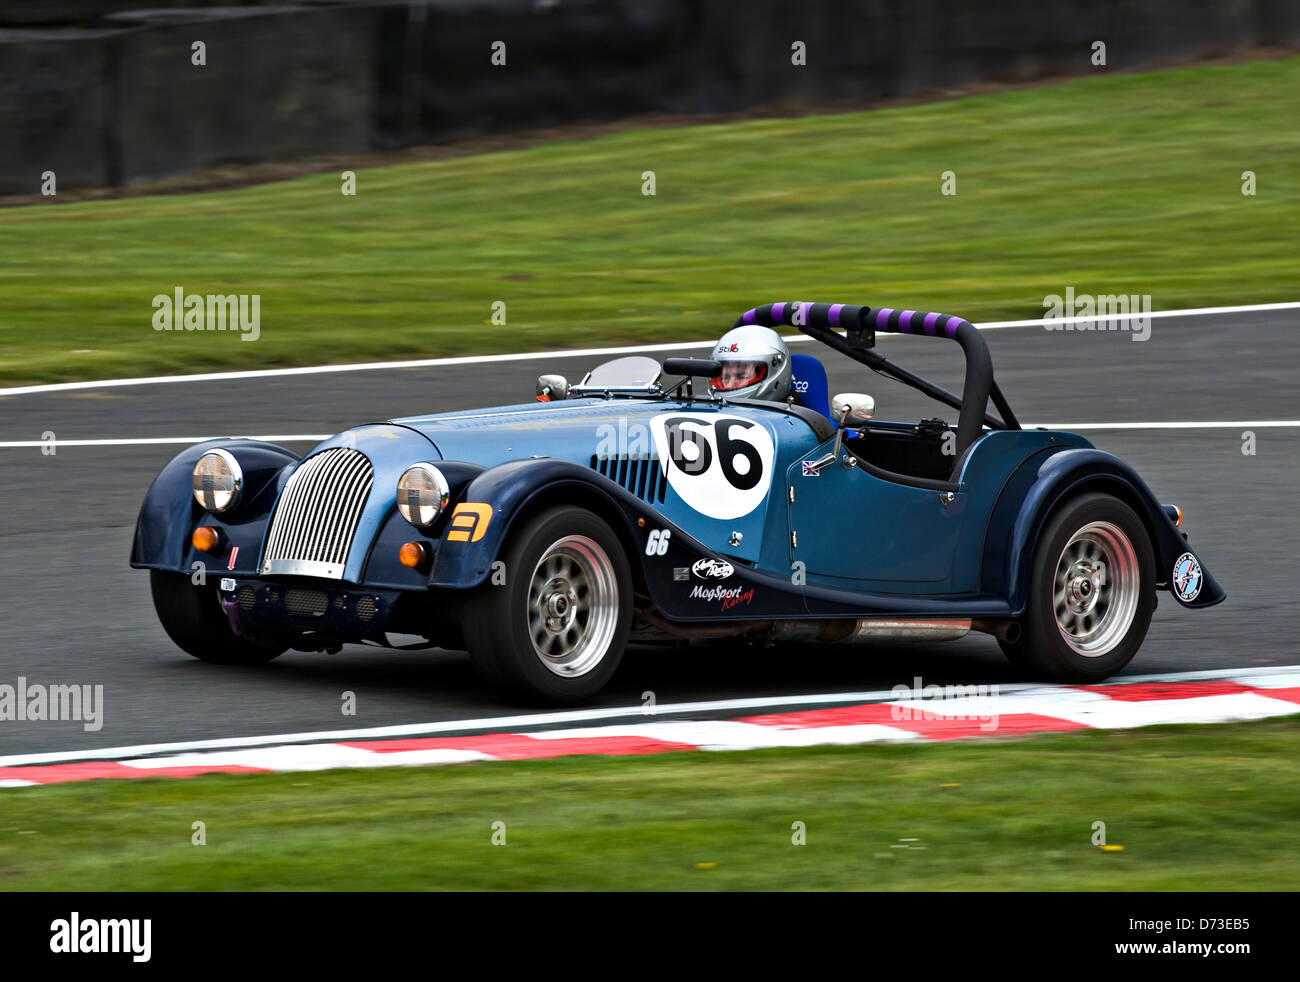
x=809, y=385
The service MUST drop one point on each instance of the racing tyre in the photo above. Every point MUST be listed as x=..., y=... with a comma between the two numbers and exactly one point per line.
x=192, y=617
x=556, y=629
x=1091, y=594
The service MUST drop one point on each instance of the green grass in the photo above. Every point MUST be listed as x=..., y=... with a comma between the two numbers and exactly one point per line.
x=1110, y=184
x=1195, y=808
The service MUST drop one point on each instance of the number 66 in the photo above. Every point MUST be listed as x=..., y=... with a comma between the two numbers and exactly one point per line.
x=657, y=543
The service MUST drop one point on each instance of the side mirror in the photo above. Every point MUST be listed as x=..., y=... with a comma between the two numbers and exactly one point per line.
x=852, y=408
x=848, y=409
x=692, y=367
x=552, y=387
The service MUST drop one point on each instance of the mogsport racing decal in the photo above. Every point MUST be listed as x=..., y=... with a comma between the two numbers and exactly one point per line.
x=726, y=597
x=719, y=465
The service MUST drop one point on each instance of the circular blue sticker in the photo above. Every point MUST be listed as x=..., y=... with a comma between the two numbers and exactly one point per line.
x=1187, y=577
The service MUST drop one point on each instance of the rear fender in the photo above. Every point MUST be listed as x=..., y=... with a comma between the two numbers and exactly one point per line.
x=1046, y=480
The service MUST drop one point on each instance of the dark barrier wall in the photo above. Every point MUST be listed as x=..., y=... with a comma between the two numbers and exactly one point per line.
x=103, y=95
x=583, y=59
x=54, y=108
x=280, y=85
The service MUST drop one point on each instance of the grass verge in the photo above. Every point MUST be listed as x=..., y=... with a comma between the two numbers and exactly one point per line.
x=1194, y=807
x=1119, y=184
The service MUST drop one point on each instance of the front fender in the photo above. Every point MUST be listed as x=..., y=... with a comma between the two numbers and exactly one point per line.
x=1044, y=481
x=483, y=517
x=169, y=512
x=382, y=567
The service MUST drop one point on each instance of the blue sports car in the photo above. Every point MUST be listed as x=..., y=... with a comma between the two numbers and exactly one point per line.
x=698, y=498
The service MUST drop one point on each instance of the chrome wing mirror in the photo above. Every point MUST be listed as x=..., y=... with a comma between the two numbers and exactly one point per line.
x=847, y=409
x=852, y=408
x=552, y=387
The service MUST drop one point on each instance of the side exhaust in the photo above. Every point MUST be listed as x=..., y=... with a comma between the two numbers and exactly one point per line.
x=866, y=630
x=862, y=630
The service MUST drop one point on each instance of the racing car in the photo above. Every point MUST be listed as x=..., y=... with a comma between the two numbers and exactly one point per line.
x=727, y=496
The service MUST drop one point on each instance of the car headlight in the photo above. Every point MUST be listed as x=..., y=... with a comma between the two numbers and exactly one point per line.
x=218, y=480
x=422, y=494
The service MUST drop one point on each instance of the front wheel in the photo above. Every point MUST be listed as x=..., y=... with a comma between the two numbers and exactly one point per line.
x=1091, y=594
x=192, y=617
x=557, y=627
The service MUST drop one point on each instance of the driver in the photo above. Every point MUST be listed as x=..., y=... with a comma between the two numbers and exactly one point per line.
x=755, y=364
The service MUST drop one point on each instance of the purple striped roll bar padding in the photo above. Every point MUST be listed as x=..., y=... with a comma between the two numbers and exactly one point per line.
x=905, y=323
x=861, y=322
x=885, y=319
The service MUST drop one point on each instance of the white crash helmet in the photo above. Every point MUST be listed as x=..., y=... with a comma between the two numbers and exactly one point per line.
x=755, y=364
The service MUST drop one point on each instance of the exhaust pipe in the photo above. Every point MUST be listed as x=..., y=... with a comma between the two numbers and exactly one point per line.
x=865, y=630
x=862, y=630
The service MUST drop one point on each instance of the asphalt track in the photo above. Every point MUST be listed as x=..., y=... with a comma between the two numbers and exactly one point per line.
x=74, y=611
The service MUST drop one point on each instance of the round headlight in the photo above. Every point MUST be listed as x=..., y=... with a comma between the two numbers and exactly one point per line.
x=422, y=494
x=217, y=480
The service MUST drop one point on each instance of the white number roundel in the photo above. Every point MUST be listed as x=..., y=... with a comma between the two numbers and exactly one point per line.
x=719, y=465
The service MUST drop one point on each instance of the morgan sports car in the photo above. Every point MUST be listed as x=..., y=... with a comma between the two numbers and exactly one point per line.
x=650, y=503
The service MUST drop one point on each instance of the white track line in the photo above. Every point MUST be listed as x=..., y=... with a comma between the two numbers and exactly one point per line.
x=1238, y=424
x=165, y=440
x=572, y=353
x=1231, y=424
x=512, y=723
x=1186, y=312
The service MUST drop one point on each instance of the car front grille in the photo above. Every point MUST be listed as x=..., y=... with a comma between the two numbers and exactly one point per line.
x=366, y=608
x=638, y=473
x=317, y=515
x=305, y=603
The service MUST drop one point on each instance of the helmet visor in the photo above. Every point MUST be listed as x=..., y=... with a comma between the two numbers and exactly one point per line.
x=739, y=374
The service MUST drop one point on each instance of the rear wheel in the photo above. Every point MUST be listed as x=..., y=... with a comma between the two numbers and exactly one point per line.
x=557, y=628
x=1091, y=595
x=192, y=617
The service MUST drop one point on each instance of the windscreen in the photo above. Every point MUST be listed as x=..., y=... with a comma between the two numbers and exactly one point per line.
x=633, y=372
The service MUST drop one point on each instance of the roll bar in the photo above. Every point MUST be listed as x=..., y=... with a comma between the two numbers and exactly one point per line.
x=860, y=324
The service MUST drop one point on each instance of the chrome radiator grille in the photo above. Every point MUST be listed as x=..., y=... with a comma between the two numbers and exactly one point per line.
x=317, y=515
